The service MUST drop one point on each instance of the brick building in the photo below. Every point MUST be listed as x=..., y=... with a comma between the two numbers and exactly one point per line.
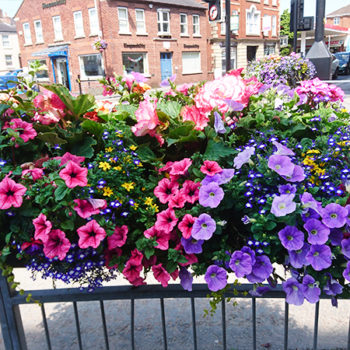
x=156, y=37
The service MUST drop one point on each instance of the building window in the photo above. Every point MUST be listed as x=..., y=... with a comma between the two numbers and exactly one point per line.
x=140, y=21
x=57, y=27
x=235, y=22
x=42, y=74
x=191, y=62
x=274, y=2
x=183, y=24
x=91, y=66
x=269, y=49
x=284, y=41
x=38, y=32
x=274, y=26
x=78, y=24
x=196, y=26
x=27, y=35
x=93, y=18
x=8, y=60
x=223, y=18
x=336, y=21
x=135, y=62
x=6, y=40
x=253, y=21
x=266, y=2
x=266, y=24
x=163, y=17
x=123, y=20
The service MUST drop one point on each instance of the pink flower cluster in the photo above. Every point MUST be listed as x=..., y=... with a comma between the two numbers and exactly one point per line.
x=25, y=130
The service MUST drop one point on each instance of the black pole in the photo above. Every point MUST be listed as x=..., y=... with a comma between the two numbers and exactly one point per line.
x=294, y=11
x=320, y=15
x=228, y=35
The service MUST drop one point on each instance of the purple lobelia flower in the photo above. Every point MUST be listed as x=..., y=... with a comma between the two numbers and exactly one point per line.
x=261, y=269
x=283, y=205
x=219, y=124
x=291, y=238
x=294, y=291
x=216, y=278
x=210, y=179
x=345, y=247
x=336, y=236
x=211, y=195
x=191, y=245
x=243, y=157
x=310, y=214
x=332, y=287
x=297, y=257
x=287, y=189
x=203, y=227
x=311, y=290
x=319, y=257
x=282, y=165
x=318, y=233
x=334, y=215
x=241, y=263
x=186, y=279
x=226, y=175
x=346, y=272
x=282, y=150
x=298, y=175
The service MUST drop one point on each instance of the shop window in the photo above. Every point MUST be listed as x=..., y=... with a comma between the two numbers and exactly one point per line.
x=123, y=20
x=78, y=24
x=253, y=21
x=8, y=60
x=183, y=24
x=38, y=32
x=191, y=62
x=91, y=66
x=57, y=27
x=135, y=62
x=196, y=25
x=42, y=74
x=93, y=18
x=27, y=34
x=163, y=17
x=6, y=40
x=140, y=21
x=269, y=49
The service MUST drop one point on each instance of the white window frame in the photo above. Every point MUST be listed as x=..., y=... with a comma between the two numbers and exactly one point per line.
x=186, y=66
x=123, y=22
x=57, y=28
x=140, y=24
x=27, y=34
x=274, y=25
x=82, y=71
x=183, y=25
x=223, y=18
x=196, y=27
x=267, y=22
x=336, y=21
x=274, y=2
x=254, y=27
x=161, y=21
x=10, y=62
x=38, y=32
x=266, y=2
x=6, y=43
x=78, y=24
x=94, y=23
x=145, y=61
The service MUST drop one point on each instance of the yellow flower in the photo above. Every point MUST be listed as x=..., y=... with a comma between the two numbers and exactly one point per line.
x=117, y=168
x=136, y=205
x=133, y=147
x=128, y=186
x=149, y=201
x=155, y=208
x=107, y=191
x=313, y=151
x=108, y=149
x=104, y=166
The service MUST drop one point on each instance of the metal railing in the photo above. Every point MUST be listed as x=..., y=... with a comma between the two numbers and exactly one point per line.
x=13, y=330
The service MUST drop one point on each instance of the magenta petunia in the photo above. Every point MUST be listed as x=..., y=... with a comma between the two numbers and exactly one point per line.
x=36, y=173
x=162, y=237
x=216, y=278
x=70, y=157
x=25, y=130
x=191, y=191
x=210, y=168
x=180, y=167
x=11, y=193
x=166, y=220
x=186, y=224
x=90, y=235
x=211, y=195
x=84, y=208
x=178, y=200
x=118, y=238
x=165, y=190
x=161, y=275
x=56, y=245
x=42, y=227
x=74, y=175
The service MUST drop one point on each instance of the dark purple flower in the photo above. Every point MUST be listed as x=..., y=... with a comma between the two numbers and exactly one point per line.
x=241, y=263
x=332, y=287
x=336, y=236
x=294, y=291
x=259, y=291
x=186, y=279
x=345, y=247
x=334, y=215
x=211, y=195
x=283, y=205
x=219, y=124
x=203, y=227
x=310, y=214
x=282, y=150
x=346, y=272
x=319, y=257
x=347, y=207
x=297, y=257
x=191, y=245
x=261, y=269
x=298, y=174
x=243, y=157
x=226, y=175
x=216, y=278
x=287, y=189
x=291, y=238
x=318, y=233
x=311, y=290
x=282, y=165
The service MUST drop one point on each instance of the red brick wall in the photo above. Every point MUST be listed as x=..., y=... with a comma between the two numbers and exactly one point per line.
x=343, y=21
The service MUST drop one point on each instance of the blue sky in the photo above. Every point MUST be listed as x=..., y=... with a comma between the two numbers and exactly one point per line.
x=11, y=6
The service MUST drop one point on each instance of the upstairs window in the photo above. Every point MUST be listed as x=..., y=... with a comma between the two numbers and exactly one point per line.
x=123, y=20
x=27, y=34
x=94, y=27
x=57, y=27
x=38, y=32
x=183, y=24
x=336, y=21
x=8, y=60
x=274, y=2
x=253, y=21
x=78, y=24
x=274, y=26
x=266, y=2
x=140, y=21
x=163, y=17
x=6, y=40
x=196, y=27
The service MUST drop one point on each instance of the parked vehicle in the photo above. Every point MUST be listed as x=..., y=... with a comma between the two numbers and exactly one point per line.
x=335, y=67
x=7, y=81
x=344, y=62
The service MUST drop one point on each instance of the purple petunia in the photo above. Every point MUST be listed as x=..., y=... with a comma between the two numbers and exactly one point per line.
x=203, y=227
x=210, y=179
x=283, y=205
x=282, y=150
x=294, y=291
x=345, y=247
x=310, y=214
x=243, y=157
x=336, y=236
x=186, y=279
x=216, y=278
x=287, y=189
x=309, y=201
x=261, y=269
x=226, y=175
x=241, y=263
x=311, y=290
x=211, y=195
x=219, y=124
x=291, y=238
x=319, y=257
x=318, y=233
x=191, y=245
x=297, y=257
x=282, y=165
x=298, y=175
x=346, y=272
x=332, y=287
x=250, y=252
x=334, y=215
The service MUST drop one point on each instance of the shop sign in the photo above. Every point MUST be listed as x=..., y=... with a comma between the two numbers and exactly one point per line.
x=195, y=46
x=55, y=3
x=335, y=42
x=134, y=46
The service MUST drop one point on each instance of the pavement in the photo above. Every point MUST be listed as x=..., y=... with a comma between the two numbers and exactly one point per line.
x=333, y=322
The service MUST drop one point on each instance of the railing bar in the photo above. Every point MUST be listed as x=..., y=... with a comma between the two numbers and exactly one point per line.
x=77, y=324
x=194, y=325
x=47, y=334
x=163, y=323
x=132, y=319
x=223, y=318
x=254, y=321
x=286, y=317
x=317, y=312
x=349, y=336
x=104, y=324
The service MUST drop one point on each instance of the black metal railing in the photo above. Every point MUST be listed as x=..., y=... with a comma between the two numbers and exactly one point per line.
x=14, y=335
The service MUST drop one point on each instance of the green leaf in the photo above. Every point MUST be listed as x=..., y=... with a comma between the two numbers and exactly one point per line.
x=148, y=252
x=216, y=150
x=3, y=107
x=145, y=153
x=84, y=148
x=67, y=225
x=93, y=127
x=8, y=237
x=181, y=131
x=60, y=192
x=51, y=137
x=125, y=111
x=171, y=108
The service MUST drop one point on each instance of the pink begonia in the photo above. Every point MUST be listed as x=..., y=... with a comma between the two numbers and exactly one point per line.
x=161, y=275
x=195, y=115
x=56, y=245
x=11, y=193
x=180, y=167
x=162, y=237
x=90, y=235
x=69, y=156
x=184, y=88
x=166, y=220
x=210, y=168
x=147, y=118
x=165, y=190
x=118, y=238
x=84, y=208
x=50, y=108
x=36, y=173
x=42, y=227
x=185, y=226
x=74, y=175
x=25, y=130
x=47, y=117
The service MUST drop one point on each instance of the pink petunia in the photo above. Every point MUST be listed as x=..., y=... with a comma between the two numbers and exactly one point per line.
x=11, y=193
x=133, y=268
x=25, y=130
x=56, y=245
x=74, y=175
x=210, y=168
x=36, y=173
x=166, y=220
x=91, y=235
x=185, y=226
x=161, y=275
x=42, y=227
x=68, y=156
x=84, y=208
x=109, y=255
x=167, y=167
x=195, y=115
x=165, y=190
x=177, y=201
x=191, y=191
x=162, y=237
x=118, y=238
x=180, y=167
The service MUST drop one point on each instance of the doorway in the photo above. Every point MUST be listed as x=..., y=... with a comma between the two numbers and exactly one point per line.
x=166, y=66
x=62, y=72
x=251, y=53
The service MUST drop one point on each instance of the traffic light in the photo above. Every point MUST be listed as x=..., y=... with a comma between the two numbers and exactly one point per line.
x=296, y=9
x=214, y=10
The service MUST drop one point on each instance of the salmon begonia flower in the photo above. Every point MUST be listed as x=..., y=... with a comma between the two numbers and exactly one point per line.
x=74, y=175
x=11, y=193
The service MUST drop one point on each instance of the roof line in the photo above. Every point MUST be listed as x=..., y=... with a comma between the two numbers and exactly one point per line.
x=18, y=9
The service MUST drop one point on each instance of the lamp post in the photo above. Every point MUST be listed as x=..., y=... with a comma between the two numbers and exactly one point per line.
x=228, y=35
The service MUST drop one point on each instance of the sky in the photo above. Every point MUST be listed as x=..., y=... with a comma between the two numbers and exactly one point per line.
x=11, y=6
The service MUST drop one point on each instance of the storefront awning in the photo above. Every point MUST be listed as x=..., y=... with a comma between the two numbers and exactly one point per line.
x=52, y=51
